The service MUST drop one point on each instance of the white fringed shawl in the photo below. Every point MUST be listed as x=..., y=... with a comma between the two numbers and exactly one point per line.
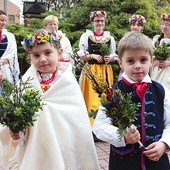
x=61, y=138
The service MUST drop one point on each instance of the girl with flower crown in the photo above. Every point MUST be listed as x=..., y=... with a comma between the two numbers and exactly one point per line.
x=137, y=22
x=100, y=65
x=61, y=134
x=160, y=70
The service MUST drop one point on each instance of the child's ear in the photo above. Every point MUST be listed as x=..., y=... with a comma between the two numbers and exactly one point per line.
x=60, y=51
x=120, y=62
x=152, y=60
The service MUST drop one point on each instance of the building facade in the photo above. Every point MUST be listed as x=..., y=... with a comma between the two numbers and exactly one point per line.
x=12, y=11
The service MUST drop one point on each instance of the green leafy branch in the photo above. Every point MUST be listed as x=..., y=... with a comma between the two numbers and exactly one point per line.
x=104, y=49
x=120, y=109
x=162, y=52
x=18, y=105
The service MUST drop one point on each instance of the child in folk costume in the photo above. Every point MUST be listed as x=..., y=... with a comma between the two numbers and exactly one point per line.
x=89, y=50
x=153, y=117
x=160, y=71
x=137, y=22
x=61, y=137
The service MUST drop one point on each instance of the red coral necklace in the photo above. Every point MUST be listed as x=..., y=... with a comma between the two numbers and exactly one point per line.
x=51, y=79
x=98, y=35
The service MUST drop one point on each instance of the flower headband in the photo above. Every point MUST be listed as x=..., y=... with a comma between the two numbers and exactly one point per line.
x=40, y=37
x=137, y=18
x=165, y=17
x=97, y=14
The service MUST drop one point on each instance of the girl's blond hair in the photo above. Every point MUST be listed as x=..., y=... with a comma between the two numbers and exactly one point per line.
x=49, y=19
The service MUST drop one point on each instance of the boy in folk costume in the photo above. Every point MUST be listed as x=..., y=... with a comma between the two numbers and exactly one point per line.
x=152, y=124
x=61, y=135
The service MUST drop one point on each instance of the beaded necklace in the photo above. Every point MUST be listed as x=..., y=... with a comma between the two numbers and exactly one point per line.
x=45, y=83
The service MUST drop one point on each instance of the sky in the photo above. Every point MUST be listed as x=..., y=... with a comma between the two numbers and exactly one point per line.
x=16, y=2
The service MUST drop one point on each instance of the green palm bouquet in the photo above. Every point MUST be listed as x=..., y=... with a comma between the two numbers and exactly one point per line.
x=104, y=49
x=19, y=105
x=162, y=52
x=119, y=108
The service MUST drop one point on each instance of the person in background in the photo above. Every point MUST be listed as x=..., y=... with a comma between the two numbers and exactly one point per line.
x=152, y=124
x=51, y=23
x=8, y=52
x=160, y=71
x=61, y=137
x=90, y=44
x=137, y=22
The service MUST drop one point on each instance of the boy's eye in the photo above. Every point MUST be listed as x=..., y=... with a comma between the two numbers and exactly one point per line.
x=130, y=61
x=143, y=60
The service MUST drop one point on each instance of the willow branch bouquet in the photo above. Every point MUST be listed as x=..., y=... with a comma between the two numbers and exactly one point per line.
x=162, y=52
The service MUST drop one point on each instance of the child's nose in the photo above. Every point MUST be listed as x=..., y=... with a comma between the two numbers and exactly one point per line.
x=137, y=65
x=43, y=58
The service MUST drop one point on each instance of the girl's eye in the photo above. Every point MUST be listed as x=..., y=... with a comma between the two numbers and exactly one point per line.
x=47, y=52
x=36, y=55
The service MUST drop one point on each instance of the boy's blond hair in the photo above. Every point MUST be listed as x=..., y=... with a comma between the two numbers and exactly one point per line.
x=49, y=19
x=134, y=40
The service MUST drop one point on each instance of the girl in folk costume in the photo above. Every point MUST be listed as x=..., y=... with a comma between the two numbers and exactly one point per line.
x=152, y=118
x=8, y=51
x=160, y=71
x=62, y=133
x=89, y=50
x=137, y=22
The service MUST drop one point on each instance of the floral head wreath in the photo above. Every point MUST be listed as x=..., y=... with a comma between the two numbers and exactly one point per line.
x=97, y=14
x=165, y=17
x=137, y=18
x=39, y=37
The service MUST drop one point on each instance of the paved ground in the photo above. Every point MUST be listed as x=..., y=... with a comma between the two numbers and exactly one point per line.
x=102, y=149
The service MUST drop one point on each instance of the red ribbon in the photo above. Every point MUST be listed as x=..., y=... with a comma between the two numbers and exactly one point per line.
x=140, y=88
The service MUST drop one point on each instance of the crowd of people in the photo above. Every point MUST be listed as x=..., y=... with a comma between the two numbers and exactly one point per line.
x=73, y=117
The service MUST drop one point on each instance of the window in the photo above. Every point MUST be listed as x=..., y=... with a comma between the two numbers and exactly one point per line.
x=11, y=19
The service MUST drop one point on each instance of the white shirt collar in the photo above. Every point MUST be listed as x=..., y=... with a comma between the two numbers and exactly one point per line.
x=146, y=79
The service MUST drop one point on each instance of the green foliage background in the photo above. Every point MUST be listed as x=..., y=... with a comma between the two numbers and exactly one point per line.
x=74, y=20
